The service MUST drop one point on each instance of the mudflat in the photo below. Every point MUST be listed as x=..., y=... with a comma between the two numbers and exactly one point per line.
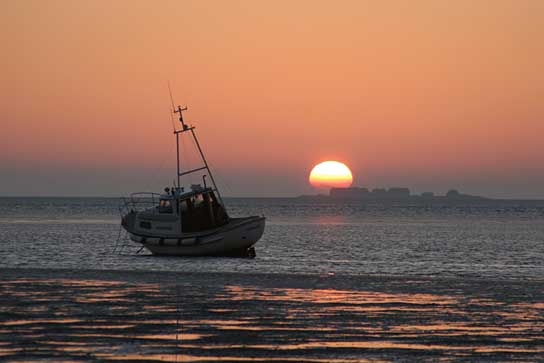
x=123, y=316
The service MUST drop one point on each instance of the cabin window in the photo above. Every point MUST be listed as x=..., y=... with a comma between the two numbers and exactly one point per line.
x=183, y=206
x=165, y=206
x=198, y=200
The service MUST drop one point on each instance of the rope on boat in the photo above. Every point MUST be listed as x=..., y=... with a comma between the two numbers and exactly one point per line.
x=118, y=239
x=119, y=247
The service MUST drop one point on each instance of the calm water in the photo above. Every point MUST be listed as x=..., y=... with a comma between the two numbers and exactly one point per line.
x=488, y=240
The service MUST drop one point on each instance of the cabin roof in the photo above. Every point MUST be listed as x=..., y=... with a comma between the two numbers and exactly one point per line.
x=192, y=193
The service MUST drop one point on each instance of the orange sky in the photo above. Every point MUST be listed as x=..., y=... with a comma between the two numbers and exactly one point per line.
x=424, y=94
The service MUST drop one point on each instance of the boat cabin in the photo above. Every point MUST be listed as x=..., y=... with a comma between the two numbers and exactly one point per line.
x=199, y=209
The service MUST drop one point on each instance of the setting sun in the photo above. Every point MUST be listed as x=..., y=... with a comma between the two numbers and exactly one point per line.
x=330, y=174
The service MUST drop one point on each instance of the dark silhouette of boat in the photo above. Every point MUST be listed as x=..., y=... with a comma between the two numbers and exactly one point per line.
x=189, y=221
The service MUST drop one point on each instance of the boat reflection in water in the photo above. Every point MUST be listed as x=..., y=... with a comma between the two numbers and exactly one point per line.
x=189, y=222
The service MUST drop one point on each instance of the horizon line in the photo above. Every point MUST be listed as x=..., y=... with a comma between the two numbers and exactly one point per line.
x=258, y=197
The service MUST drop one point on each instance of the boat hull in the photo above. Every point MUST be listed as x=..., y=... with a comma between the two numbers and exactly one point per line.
x=233, y=239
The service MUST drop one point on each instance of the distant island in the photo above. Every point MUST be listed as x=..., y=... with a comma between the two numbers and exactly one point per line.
x=392, y=194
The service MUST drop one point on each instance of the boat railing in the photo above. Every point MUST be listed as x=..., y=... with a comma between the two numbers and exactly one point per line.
x=140, y=201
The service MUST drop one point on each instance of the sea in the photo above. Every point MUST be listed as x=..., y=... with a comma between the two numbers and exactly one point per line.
x=488, y=239
x=491, y=239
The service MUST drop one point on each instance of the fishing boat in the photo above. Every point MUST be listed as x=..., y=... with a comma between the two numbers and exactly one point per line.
x=189, y=221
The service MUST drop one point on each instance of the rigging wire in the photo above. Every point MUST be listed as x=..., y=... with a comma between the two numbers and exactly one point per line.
x=173, y=122
x=221, y=180
x=118, y=239
x=156, y=172
x=173, y=107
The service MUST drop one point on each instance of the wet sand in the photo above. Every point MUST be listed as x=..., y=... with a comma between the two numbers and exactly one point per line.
x=118, y=316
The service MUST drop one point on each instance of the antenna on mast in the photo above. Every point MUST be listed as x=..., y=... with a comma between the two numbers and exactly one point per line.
x=180, y=110
x=173, y=108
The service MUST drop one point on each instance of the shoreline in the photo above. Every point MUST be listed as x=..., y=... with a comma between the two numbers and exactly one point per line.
x=261, y=276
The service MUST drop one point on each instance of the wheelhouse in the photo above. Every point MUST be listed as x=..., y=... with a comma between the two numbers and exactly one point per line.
x=201, y=210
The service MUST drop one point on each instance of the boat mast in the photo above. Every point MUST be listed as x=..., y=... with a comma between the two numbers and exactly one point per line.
x=179, y=110
x=186, y=128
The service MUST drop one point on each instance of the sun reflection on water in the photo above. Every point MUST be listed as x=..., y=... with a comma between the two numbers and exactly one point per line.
x=116, y=321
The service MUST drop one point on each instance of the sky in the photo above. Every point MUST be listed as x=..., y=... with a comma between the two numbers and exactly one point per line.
x=429, y=95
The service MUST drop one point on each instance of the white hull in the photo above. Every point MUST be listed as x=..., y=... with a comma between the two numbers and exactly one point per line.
x=238, y=235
